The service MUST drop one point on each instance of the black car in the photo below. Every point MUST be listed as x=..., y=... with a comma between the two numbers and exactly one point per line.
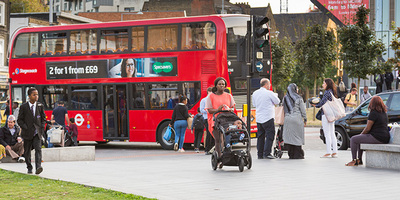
x=353, y=123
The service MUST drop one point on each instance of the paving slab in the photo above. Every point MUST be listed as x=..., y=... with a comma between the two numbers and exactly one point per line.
x=171, y=175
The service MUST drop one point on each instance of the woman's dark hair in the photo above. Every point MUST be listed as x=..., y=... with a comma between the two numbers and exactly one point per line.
x=198, y=109
x=353, y=85
x=123, y=67
x=182, y=98
x=377, y=104
x=72, y=120
x=214, y=89
x=330, y=85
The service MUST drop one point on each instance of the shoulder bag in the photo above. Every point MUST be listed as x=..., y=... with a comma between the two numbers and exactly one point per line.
x=333, y=110
x=279, y=115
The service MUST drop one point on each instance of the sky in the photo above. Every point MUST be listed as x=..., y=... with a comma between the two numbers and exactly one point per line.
x=295, y=6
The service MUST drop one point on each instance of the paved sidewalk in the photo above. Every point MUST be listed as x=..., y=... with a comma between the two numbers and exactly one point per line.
x=171, y=175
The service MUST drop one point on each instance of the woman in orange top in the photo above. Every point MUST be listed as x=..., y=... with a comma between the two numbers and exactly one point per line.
x=217, y=101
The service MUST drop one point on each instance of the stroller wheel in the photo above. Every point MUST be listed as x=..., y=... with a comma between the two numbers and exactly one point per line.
x=214, y=160
x=249, y=161
x=241, y=164
x=276, y=152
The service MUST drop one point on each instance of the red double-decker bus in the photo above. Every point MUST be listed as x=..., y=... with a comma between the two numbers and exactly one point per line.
x=121, y=80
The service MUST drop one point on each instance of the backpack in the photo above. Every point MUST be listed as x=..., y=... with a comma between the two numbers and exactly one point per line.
x=198, y=122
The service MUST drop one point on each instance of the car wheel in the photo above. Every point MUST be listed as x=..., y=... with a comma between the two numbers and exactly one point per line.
x=165, y=144
x=341, y=138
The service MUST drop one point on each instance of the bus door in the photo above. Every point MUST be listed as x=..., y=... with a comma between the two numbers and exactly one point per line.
x=115, y=112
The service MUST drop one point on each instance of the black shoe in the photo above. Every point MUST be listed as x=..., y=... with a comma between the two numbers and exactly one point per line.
x=29, y=171
x=39, y=170
x=260, y=157
x=270, y=156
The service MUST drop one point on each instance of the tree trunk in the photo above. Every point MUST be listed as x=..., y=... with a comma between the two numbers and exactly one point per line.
x=359, y=92
x=315, y=85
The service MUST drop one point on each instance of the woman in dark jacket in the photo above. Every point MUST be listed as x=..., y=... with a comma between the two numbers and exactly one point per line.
x=376, y=131
x=179, y=122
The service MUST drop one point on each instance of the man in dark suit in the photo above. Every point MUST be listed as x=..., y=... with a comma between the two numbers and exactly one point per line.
x=32, y=120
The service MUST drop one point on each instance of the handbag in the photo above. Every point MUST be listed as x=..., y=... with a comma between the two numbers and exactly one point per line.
x=189, y=122
x=279, y=115
x=333, y=110
x=167, y=134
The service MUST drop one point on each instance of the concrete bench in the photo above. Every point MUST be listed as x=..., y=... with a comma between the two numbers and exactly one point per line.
x=8, y=159
x=78, y=153
x=386, y=156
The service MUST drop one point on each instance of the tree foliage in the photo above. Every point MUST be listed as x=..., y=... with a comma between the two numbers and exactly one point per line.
x=283, y=63
x=359, y=48
x=28, y=6
x=395, y=45
x=315, y=54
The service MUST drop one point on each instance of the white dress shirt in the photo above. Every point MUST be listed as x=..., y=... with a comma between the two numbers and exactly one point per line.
x=264, y=101
x=34, y=107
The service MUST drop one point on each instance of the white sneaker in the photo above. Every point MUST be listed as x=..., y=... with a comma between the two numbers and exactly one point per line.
x=181, y=150
x=176, y=147
x=21, y=159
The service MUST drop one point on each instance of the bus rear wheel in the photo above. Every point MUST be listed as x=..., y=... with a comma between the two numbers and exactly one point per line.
x=165, y=144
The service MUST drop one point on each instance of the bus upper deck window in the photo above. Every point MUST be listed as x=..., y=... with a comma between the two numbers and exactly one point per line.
x=26, y=45
x=162, y=38
x=198, y=36
x=83, y=42
x=52, y=43
x=114, y=41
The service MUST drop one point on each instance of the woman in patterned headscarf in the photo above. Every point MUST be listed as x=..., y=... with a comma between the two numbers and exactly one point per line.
x=295, y=120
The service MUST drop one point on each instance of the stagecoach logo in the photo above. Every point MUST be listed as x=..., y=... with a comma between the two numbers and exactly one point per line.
x=162, y=67
x=25, y=71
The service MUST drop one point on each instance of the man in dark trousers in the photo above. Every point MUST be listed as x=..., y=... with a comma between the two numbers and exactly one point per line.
x=388, y=80
x=32, y=120
x=379, y=78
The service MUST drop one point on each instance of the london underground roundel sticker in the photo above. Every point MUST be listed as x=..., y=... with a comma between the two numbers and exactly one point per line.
x=79, y=119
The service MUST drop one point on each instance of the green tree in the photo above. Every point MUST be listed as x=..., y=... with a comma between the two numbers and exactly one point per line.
x=315, y=54
x=395, y=45
x=283, y=63
x=28, y=6
x=359, y=48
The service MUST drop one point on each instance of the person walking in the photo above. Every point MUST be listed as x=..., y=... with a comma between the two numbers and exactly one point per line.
x=60, y=114
x=351, y=100
x=198, y=127
x=15, y=108
x=179, y=117
x=7, y=111
x=295, y=120
x=328, y=127
x=388, y=80
x=218, y=100
x=209, y=141
x=378, y=79
x=365, y=95
x=376, y=131
x=32, y=120
x=264, y=101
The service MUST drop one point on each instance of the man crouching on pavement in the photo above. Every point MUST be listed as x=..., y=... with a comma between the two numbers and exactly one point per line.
x=10, y=138
x=31, y=119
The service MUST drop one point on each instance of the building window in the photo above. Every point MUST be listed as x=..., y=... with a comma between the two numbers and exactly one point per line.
x=66, y=6
x=2, y=14
x=1, y=52
x=57, y=8
x=129, y=9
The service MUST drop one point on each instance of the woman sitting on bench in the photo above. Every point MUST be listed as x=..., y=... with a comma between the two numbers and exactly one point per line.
x=376, y=131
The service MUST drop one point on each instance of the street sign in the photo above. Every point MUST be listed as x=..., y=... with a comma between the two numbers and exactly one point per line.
x=259, y=66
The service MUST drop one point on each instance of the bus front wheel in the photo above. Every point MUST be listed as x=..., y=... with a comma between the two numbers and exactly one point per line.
x=166, y=144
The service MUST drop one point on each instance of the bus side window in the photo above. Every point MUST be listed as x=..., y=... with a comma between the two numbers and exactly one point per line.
x=163, y=96
x=112, y=40
x=198, y=36
x=162, y=37
x=53, y=42
x=138, y=101
x=83, y=42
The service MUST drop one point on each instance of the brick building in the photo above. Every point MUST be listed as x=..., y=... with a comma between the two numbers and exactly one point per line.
x=123, y=16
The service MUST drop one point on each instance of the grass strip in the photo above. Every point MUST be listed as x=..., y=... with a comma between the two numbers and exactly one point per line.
x=22, y=186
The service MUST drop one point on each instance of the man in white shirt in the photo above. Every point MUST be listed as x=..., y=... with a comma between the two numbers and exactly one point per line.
x=264, y=101
x=365, y=95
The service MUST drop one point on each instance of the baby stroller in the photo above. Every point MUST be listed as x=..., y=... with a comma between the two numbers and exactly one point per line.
x=280, y=146
x=68, y=138
x=224, y=124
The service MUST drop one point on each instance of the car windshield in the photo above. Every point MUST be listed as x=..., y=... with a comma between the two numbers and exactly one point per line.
x=364, y=107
